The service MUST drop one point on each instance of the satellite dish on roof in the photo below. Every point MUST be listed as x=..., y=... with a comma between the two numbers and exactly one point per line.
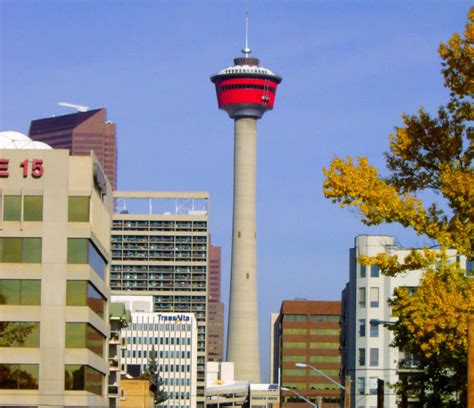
x=79, y=108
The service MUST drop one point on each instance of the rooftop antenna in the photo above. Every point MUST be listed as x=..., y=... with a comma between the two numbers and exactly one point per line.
x=79, y=108
x=246, y=50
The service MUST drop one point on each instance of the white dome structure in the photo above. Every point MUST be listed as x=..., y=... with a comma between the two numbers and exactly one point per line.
x=17, y=140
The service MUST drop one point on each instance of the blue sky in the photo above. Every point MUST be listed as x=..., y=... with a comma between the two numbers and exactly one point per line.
x=350, y=68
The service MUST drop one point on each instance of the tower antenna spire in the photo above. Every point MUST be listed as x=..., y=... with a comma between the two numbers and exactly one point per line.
x=246, y=50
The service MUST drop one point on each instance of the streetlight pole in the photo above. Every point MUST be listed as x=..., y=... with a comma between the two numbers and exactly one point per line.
x=346, y=388
x=300, y=396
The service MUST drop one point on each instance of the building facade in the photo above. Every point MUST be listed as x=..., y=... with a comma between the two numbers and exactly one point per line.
x=160, y=247
x=215, y=335
x=309, y=334
x=55, y=220
x=80, y=133
x=366, y=352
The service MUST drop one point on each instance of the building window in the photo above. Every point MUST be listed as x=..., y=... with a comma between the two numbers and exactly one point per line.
x=20, y=292
x=33, y=208
x=470, y=267
x=324, y=332
x=294, y=359
x=361, y=385
x=361, y=297
x=81, y=377
x=11, y=208
x=374, y=330
x=324, y=345
x=374, y=271
x=19, y=334
x=294, y=318
x=83, y=293
x=20, y=250
x=323, y=359
x=83, y=251
x=362, y=356
x=19, y=376
x=293, y=372
x=300, y=332
x=373, y=385
x=294, y=345
x=362, y=327
x=78, y=209
x=374, y=357
x=83, y=335
x=374, y=297
x=363, y=271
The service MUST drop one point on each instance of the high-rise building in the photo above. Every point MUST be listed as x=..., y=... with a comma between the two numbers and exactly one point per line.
x=215, y=321
x=80, y=133
x=366, y=352
x=309, y=337
x=55, y=220
x=245, y=91
x=160, y=249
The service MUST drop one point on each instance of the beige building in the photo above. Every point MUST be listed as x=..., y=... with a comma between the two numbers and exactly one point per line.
x=55, y=218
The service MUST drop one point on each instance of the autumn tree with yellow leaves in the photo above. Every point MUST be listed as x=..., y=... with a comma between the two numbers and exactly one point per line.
x=427, y=153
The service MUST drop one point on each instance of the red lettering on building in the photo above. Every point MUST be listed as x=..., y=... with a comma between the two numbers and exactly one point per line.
x=4, y=168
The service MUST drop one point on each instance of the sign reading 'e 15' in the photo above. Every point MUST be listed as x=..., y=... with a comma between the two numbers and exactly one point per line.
x=36, y=170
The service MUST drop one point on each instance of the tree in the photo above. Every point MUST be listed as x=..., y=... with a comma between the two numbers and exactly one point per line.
x=427, y=154
x=153, y=375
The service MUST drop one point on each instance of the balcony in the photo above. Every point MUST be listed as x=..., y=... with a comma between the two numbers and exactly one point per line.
x=113, y=390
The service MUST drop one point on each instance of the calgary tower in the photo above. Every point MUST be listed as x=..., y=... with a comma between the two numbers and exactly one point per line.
x=245, y=91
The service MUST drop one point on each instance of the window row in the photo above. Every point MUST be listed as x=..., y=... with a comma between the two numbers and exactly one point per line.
x=247, y=86
x=373, y=297
x=361, y=386
x=374, y=271
x=160, y=340
x=20, y=250
x=30, y=208
x=373, y=357
x=312, y=318
x=311, y=332
x=170, y=269
x=312, y=345
x=301, y=372
x=28, y=292
x=26, y=377
x=22, y=208
x=374, y=329
x=167, y=239
x=83, y=251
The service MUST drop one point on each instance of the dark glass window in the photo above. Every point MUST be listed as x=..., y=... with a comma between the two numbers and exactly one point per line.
x=374, y=271
x=83, y=293
x=20, y=250
x=33, y=208
x=363, y=271
x=19, y=376
x=11, y=208
x=78, y=209
x=84, y=335
x=81, y=377
x=374, y=330
x=20, y=292
x=362, y=327
x=362, y=356
x=19, y=334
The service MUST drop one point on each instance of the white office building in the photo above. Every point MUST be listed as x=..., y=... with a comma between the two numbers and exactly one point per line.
x=366, y=352
x=173, y=336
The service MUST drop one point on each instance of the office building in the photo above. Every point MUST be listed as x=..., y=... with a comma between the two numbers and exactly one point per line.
x=173, y=337
x=80, y=133
x=160, y=249
x=215, y=321
x=55, y=220
x=245, y=91
x=309, y=334
x=366, y=352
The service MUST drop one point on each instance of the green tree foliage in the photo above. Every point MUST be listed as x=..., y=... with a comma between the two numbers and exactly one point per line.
x=427, y=153
x=153, y=375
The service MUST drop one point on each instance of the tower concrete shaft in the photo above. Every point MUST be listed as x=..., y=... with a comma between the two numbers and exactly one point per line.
x=242, y=336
